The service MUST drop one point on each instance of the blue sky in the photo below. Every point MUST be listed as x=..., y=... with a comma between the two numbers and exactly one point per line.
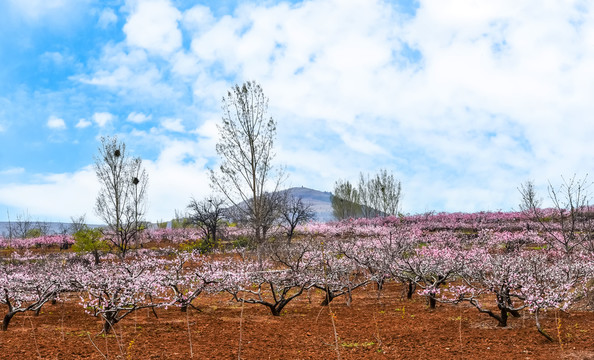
x=463, y=101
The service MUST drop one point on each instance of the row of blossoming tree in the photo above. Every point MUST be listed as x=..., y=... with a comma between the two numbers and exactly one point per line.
x=498, y=272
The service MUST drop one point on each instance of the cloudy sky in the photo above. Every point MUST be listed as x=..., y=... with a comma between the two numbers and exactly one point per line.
x=462, y=100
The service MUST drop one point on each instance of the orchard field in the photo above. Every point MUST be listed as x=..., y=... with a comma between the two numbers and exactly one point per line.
x=467, y=286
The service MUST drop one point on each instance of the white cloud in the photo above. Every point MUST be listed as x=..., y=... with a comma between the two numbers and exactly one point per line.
x=494, y=98
x=56, y=123
x=178, y=174
x=83, y=123
x=174, y=125
x=75, y=192
x=107, y=18
x=54, y=57
x=130, y=73
x=12, y=171
x=186, y=64
x=197, y=19
x=464, y=100
x=34, y=9
x=138, y=118
x=152, y=25
x=102, y=118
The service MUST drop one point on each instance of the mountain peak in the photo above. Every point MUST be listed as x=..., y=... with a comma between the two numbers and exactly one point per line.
x=320, y=201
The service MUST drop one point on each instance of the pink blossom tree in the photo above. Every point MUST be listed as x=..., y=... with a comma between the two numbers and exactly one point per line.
x=113, y=290
x=27, y=285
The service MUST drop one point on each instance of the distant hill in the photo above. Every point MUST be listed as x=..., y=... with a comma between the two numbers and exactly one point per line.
x=319, y=200
x=52, y=227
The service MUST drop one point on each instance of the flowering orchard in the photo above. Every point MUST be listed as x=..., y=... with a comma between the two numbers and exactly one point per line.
x=499, y=263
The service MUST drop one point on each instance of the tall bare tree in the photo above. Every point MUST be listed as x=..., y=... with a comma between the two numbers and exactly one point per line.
x=208, y=215
x=121, y=201
x=573, y=213
x=295, y=211
x=346, y=202
x=247, y=177
x=379, y=195
x=25, y=227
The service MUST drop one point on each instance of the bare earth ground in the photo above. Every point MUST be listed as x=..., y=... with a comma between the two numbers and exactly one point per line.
x=393, y=328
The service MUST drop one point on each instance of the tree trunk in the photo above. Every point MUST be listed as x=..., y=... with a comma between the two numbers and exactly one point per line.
x=6, y=321
x=328, y=298
x=503, y=318
x=349, y=298
x=411, y=289
x=432, y=302
x=380, y=286
x=277, y=308
x=110, y=321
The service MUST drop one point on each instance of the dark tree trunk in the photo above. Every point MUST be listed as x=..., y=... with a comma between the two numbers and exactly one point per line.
x=503, y=318
x=411, y=289
x=349, y=298
x=110, y=321
x=514, y=313
x=277, y=308
x=380, y=286
x=432, y=302
x=6, y=321
x=328, y=298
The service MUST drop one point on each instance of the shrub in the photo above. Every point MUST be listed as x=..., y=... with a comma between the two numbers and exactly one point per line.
x=90, y=240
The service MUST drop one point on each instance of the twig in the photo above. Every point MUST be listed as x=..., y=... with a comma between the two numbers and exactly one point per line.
x=330, y=307
x=335, y=332
x=377, y=334
x=35, y=338
x=539, y=328
x=558, y=320
x=62, y=320
x=189, y=335
x=115, y=335
x=240, y=331
x=92, y=342
x=460, y=329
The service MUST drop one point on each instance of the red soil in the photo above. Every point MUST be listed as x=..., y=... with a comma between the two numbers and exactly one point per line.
x=392, y=328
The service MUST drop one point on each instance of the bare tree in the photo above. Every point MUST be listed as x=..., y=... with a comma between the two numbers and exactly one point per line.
x=571, y=224
x=77, y=223
x=121, y=200
x=295, y=212
x=208, y=215
x=379, y=195
x=24, y=227
x=388, y=192
x=345, y=201
x=374, y=196
x=180, y=220
x=247, y=176
x=21, y=227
